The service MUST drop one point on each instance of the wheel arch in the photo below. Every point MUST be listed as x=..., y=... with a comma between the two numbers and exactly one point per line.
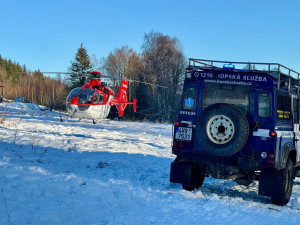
x=293, y=155
x=288, y=151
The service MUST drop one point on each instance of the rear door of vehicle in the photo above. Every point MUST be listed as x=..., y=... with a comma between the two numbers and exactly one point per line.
x=185, y=132
x=263, y=122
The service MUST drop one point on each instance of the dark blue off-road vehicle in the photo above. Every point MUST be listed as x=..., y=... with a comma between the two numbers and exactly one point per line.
x=238, y=121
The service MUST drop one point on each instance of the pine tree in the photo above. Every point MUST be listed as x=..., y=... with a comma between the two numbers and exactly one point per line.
x=82, y=64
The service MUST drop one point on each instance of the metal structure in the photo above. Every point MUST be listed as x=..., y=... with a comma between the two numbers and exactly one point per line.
x=1, y=95
x=1, y=86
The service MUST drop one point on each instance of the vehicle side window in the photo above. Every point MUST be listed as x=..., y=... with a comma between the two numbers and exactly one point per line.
x=283, y=107
x=264, y=104
x=296, y=110
x=189, y=99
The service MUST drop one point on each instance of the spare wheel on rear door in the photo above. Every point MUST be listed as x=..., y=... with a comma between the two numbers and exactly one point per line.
x=222, y=129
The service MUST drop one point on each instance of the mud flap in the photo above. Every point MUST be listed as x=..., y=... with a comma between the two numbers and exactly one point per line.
x=270, y=184
x=181, y=172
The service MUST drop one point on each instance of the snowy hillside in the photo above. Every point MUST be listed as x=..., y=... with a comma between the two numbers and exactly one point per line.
x=71, y=172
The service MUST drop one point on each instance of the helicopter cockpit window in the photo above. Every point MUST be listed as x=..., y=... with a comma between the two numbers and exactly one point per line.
x=72, y=94
x=86, y=96
x=96, y=98
x=101, y=100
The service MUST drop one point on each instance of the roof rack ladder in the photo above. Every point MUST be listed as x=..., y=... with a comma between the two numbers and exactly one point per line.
x=278, y=82
x=290, y=80
x=298, y=84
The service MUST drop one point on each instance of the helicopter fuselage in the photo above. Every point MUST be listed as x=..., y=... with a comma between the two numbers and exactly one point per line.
x=94, y=99
x=89, y=103
x=89, y=111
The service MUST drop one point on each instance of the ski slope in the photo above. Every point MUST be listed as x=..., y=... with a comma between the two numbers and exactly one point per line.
x=112, y=172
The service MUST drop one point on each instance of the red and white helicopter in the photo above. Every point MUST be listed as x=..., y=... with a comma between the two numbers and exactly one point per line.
x=94, y=99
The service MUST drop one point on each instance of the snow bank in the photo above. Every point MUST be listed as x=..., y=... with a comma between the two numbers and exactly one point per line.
x=296, y=203
x=19, y=108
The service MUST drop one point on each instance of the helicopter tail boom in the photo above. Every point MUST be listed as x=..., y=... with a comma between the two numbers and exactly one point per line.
x=121, y=100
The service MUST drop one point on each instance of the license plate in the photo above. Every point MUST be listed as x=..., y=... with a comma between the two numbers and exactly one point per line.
x=183, y=133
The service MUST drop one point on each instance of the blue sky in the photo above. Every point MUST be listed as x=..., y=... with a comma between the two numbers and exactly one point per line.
x=45, y=34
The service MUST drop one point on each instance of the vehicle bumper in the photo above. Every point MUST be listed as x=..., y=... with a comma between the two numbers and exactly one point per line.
x=231, y=167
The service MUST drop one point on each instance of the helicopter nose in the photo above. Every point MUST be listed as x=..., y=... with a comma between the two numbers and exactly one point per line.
x=71, y=108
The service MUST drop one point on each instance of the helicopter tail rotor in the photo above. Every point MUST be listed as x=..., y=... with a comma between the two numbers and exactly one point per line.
x=134, y=105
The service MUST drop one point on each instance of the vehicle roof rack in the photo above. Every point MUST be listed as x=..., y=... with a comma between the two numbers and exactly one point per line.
x=277, y=71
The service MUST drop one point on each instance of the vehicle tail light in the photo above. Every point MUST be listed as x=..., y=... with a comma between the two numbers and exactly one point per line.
x=272, y=133
x=181, y=144
x=177, y=124
x=175, y=143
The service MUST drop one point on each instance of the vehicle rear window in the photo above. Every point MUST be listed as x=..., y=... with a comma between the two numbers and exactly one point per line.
x=236, y=95
x=189, y=99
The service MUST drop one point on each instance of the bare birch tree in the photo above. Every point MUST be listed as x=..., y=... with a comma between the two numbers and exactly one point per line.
x=163, y=64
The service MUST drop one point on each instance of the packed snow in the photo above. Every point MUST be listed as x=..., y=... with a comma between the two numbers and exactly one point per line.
x=57, y=170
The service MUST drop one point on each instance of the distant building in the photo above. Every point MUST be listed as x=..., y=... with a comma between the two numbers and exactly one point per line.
x=19, y=99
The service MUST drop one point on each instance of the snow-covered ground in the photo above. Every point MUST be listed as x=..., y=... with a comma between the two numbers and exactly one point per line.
x=71, y=172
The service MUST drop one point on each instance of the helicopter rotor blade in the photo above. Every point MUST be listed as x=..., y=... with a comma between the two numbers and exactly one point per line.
x=136, y=81
x=90, y=74
x=116, y=78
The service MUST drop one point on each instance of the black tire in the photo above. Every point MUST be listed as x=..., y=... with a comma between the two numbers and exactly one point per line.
x=220, y=139
x=244, y=182
x=287, y=175
x=197, y=179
